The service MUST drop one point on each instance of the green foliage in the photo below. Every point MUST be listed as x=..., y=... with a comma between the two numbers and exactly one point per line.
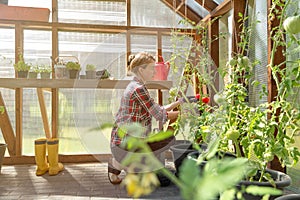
x=90, y=67
x=218, y=176
x=45, y=68
x=2, y=110
x=193, y=183
x=73, y=65
x=257, y=133
x=21, y=65
x=34, y=68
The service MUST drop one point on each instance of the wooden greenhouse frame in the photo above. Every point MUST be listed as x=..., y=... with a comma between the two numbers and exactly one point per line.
x=14, y=140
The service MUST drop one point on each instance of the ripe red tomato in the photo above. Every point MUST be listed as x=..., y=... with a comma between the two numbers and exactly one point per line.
x=197, y=96
x=205, y=100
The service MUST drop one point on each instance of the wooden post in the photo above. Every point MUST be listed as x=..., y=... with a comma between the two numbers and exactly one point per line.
x=54, y=96
x=54, y=11
x=278, y=59
x=7, y=130
x=41, y=99
x=19, y=34
x=213, y=48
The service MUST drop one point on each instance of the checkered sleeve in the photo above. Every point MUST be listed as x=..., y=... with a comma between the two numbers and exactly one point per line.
x=157, y=111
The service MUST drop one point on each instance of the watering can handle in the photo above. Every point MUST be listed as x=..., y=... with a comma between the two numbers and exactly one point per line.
x=160, y=58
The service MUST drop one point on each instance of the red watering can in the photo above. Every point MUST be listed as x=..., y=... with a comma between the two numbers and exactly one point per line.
x=162, y=69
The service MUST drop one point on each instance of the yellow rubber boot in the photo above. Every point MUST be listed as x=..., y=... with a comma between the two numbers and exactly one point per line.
x=40, y=156
x=54, y=166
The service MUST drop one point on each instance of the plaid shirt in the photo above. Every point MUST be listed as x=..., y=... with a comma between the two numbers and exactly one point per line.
x=137, y=106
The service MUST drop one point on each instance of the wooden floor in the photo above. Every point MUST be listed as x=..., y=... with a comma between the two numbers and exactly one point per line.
x=77, y=181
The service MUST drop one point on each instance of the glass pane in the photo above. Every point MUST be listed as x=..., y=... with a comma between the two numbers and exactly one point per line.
x=154, y=14
x=83, y=110
x=37, y=52
x=104, y=50
x=197, y=8
x=37, y=47
x=258, y=49
x=92, y=12
x=145, y=43
x=7, y=53
x=7, y=59
x=171, y=45
x=218, y=1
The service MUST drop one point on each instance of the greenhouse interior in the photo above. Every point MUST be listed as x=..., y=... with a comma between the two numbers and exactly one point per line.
x=160, y=99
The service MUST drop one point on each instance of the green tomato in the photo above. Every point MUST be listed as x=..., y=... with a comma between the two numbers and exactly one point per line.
x=292, y=24
x=232, y=62
x=219, y=99
x=268, y=156
x=232, y=134
x=245, y=61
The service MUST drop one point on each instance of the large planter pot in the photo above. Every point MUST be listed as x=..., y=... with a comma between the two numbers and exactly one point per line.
x=281, y=179
x=180, y=152
x=2, y=152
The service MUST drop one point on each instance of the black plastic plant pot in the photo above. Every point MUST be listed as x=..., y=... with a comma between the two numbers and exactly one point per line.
x=194, y=156
x=289, y=197
x=180, y=152
x=281, y=179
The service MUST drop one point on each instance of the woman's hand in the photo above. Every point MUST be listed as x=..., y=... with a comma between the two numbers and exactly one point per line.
x=172, y=115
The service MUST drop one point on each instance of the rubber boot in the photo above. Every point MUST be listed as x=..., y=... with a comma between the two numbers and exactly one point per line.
x=40, y=156
x=54, y=166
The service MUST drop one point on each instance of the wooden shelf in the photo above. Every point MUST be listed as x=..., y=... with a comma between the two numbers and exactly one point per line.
x=77, y=83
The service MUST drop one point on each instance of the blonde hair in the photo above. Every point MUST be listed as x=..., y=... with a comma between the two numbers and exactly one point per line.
x=139, y=60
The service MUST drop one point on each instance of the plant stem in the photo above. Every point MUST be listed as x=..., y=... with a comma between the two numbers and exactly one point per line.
x=237, y=148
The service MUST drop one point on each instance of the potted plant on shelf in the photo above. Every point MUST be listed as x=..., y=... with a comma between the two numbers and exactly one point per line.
x=33, y=72
x=73, y=68
x=22, y=67
x=90, y=71
x=45, y=71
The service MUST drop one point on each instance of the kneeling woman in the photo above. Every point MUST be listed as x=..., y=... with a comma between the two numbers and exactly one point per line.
x=138, y=107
